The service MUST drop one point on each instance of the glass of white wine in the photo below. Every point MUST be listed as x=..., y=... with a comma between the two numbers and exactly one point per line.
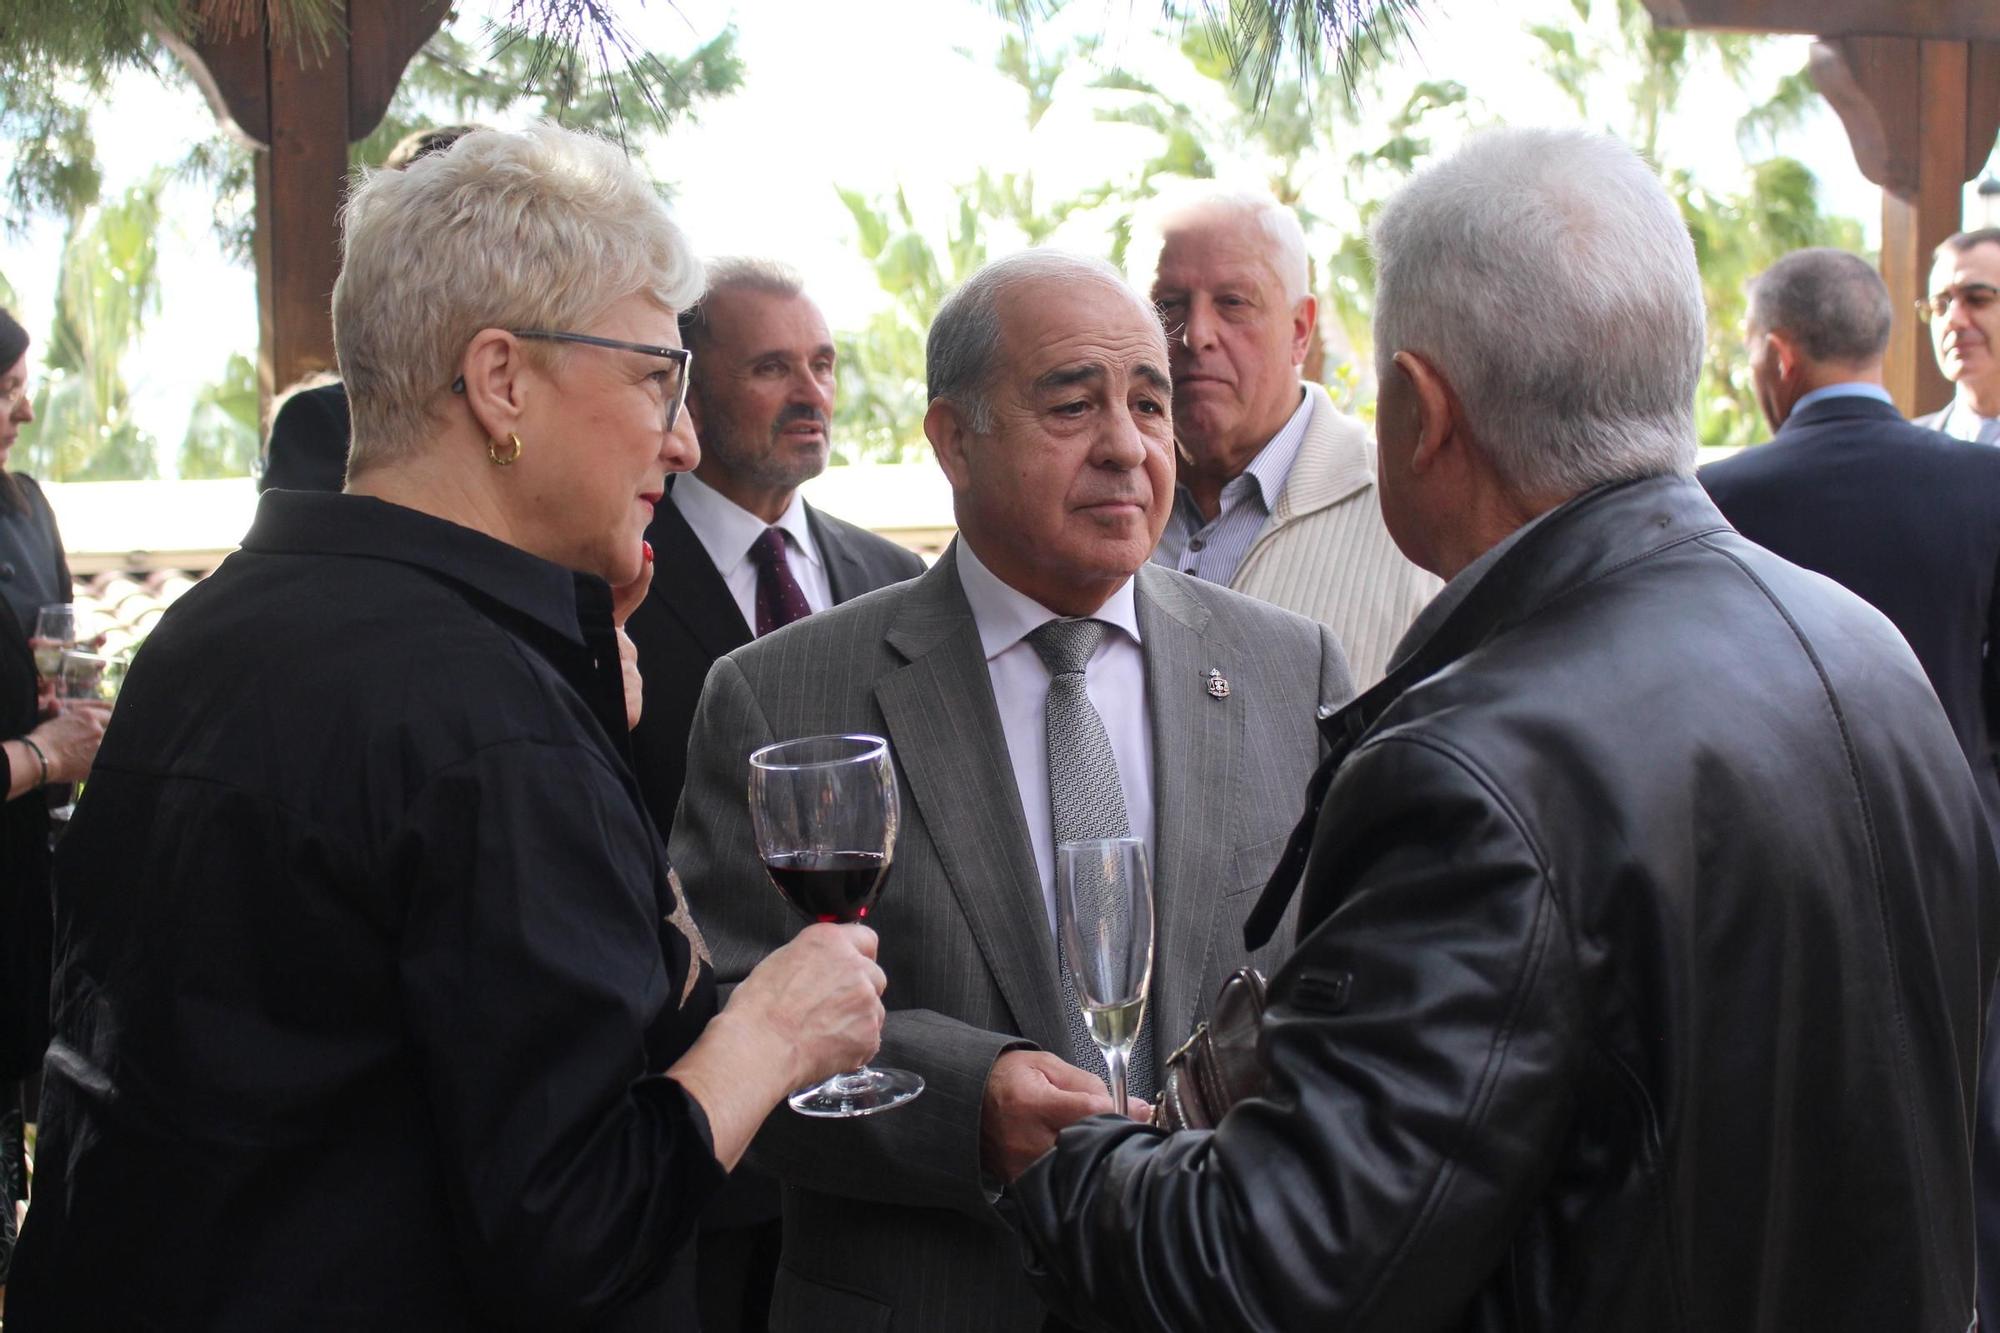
x=1104, y=908
x=55, y=630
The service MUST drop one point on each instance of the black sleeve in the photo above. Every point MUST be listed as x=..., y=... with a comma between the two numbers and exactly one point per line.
x=531, y=973
x=1420, y=1045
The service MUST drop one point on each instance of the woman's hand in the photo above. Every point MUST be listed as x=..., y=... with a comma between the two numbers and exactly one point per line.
x=823, y=994
x=625, y=599
x=70, y=740
x=810, y=1010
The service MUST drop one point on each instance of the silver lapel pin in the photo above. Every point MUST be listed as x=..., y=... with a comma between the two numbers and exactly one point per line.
x=1218, y=684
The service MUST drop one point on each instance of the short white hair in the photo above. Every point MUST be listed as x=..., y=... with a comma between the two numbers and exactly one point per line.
x=1551, y=280
x=1192, y=201
x=962, y=349
x=544, y=228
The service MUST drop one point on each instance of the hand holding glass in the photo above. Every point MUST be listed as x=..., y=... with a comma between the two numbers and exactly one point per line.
x=824, y=810
x=1104, y=909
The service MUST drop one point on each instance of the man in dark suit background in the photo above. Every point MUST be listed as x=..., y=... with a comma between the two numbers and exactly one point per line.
x=1907, y=518
x=761, y=399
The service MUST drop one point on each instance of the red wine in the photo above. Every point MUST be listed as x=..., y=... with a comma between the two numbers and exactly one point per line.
x=829, y=886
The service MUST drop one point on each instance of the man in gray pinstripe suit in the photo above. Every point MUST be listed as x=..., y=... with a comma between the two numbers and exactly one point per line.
x=1051, y=415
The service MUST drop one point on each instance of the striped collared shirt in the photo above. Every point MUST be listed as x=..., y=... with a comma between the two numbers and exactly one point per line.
x=1211, y=549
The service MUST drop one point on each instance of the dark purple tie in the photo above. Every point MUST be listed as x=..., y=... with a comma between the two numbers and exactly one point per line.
x=780, y=599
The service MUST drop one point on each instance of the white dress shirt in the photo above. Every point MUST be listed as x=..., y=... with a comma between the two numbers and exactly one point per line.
x=1115, y=680
x=1962, y=423
x=727, y=531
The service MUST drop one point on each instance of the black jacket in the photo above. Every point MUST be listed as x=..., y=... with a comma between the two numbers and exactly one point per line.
x=1643, y=940
x=26, y=910
x=689, y=619
x=362, y=985
x=1907, y=519
x=309, y=438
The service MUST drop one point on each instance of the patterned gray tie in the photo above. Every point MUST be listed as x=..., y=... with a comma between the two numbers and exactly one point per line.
x=1085, y=801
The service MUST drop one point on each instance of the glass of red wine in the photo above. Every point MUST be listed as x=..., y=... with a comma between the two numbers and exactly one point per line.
x=824, y=810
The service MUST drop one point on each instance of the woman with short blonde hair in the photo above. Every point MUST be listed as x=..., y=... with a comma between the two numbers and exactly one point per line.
x=377, y=1002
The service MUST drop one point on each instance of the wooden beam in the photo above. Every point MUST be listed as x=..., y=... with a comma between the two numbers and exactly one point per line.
x=383, y=36
x=299, y=102
x=1935, y=20
x=299, y=183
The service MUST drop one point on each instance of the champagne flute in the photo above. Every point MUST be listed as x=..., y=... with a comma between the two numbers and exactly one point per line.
x=55, y=630
x=1104, y=908
x=824, y=810
x=79, y=679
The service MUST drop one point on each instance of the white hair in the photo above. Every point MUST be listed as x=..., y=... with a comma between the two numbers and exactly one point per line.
x=544, y=228
x=963, y=348
x=1547, y=275
x=1191, y=201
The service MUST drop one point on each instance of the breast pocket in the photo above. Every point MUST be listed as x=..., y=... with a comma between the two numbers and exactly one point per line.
x=1252, y=866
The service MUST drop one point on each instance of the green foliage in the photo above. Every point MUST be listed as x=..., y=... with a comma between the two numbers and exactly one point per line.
x=54, y=169
x=1737, y=233
x=224, y=433
x=880, y=410
x=108, y=286
x=83, y=429
x=1300, y=135
x=452, y=81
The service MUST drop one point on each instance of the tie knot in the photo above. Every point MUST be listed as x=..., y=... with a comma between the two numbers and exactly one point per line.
x=1065, y=646
x=769, y=548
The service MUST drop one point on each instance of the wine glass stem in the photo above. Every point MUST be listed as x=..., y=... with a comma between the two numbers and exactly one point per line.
x=1114, y=1061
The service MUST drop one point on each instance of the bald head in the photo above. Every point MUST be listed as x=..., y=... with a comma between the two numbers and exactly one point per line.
x=964, y=348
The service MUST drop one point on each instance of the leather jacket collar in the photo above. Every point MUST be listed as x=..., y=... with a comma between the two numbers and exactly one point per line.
x=1585, y=538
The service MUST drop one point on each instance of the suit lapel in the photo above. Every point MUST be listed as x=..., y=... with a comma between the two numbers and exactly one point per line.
x=1197, y=751
x=845, y=578
x=946, y=733
x=688, y=585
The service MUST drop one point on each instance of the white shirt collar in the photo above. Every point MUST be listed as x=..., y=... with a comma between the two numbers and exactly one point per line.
x=727, y=530
x=1006, y=615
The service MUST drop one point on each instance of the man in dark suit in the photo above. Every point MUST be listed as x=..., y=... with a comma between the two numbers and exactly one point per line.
x=1907, y=518
x=761, y=399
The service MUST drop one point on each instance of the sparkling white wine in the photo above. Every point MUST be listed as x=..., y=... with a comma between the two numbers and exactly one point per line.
x=48, y=656
x=1114, y=1025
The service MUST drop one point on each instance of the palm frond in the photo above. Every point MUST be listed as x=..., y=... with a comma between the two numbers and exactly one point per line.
x=1262, y=38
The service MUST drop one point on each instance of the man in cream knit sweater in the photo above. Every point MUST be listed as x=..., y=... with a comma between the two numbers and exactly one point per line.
x=1277, y=489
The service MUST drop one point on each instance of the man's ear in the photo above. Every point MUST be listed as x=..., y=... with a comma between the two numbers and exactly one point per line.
x=1304, y=315
x=1437, y=409
x=1784, y=354
x=945, y=427
x=493, y=369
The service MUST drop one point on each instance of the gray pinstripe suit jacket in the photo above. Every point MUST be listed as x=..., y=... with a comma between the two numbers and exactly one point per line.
x=887, y=1225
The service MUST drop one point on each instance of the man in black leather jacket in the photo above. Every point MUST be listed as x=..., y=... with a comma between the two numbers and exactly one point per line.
x=1647, y=905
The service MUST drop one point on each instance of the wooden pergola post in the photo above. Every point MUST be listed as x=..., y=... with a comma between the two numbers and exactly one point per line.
x=299, y=101
x=1917, y=85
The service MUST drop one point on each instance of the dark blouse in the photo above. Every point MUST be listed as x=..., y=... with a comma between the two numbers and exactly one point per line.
x=25, y=912
x=364, y=975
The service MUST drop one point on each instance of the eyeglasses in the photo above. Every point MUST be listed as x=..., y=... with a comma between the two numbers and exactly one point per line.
x=1974, y=296
x=673, y=392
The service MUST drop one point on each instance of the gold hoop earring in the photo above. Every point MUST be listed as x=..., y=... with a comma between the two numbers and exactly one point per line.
x=506, y=457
